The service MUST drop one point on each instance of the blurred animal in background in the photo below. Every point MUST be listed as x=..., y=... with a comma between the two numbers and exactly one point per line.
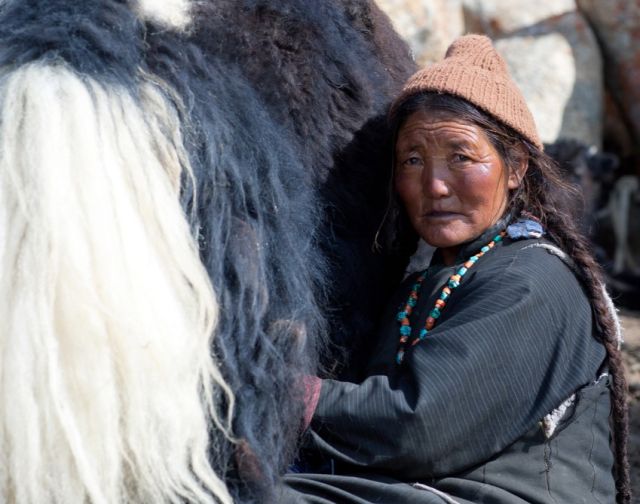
x=594, y=172
x=190, y=192
x=610, y=213
x=620, y=236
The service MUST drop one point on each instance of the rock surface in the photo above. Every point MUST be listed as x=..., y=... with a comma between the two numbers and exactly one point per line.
x=617, y=25
x=551, y=51
x=429, y=26
x=557, y=65
x=497, y=18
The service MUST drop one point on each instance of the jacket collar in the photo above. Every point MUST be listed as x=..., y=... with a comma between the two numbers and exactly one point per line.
x=473, y=246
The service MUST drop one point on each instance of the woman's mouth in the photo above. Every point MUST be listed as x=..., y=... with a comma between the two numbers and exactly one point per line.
x=436, y=214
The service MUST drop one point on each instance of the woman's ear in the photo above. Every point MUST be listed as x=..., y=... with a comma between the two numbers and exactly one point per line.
x=518, y=168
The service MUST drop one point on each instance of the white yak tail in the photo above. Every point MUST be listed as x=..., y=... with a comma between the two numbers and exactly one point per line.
x=107, y=380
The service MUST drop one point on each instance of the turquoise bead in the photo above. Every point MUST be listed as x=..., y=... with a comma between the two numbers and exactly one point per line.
x=404, y=313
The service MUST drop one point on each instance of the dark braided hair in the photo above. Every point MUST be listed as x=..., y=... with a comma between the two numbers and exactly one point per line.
x=545, y=195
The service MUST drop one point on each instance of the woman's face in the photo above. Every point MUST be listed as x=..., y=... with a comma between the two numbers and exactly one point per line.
x=452, y=181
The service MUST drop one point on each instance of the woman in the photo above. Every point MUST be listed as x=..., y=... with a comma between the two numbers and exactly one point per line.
x=498, y=368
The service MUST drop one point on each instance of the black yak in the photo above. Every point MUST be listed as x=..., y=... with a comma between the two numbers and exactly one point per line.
x=191, y=192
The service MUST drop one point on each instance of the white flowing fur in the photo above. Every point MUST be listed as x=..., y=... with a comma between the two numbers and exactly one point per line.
x=171, y=13
x=106, y=374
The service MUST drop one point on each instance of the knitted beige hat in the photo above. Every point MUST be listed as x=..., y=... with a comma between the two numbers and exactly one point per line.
x=472, y=69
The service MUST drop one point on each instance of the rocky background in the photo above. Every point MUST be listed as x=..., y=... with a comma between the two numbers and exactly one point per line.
x=577, y=63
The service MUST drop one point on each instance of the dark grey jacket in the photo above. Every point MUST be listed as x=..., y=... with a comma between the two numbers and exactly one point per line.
x=462, y=414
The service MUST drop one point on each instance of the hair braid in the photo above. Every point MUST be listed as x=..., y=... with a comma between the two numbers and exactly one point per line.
x=576, y=247
x=552, y=206
x=547, y=196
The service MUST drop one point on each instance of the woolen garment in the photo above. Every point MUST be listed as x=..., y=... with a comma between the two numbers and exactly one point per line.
x=514, y=341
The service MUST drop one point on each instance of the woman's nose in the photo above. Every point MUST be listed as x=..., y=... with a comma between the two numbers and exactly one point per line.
x=435, y=180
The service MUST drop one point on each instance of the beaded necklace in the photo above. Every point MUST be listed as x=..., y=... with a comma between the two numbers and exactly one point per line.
x=452, y=284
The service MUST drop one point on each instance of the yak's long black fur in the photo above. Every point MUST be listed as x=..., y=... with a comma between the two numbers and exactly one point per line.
x=256, y=219
x=326, y=69
x=96, y=38
x=282, y=104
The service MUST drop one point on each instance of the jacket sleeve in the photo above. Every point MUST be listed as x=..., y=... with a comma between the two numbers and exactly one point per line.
x=518, y=343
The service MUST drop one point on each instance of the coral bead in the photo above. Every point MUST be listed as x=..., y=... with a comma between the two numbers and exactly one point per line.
x=439, y=305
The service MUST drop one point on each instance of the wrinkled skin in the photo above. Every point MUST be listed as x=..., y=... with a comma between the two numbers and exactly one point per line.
x=451, y=180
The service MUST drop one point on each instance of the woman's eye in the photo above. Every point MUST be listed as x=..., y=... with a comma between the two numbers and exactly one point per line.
x=460, y=158
x=412, y=161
